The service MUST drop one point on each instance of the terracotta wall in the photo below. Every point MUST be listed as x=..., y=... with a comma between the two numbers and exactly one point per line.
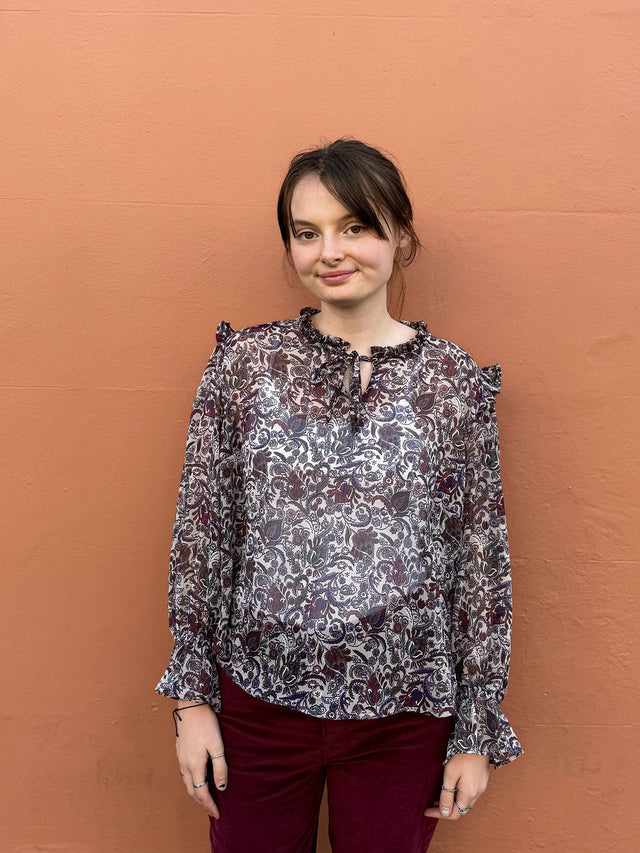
x=143, y=143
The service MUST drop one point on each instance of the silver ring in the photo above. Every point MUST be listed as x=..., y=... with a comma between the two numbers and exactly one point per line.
x=449, y=790
x=217, y=756
x=463, y=810
x=200, y=784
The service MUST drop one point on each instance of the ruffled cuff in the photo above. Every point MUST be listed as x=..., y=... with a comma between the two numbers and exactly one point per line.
x=481, y=728
x=191, y=674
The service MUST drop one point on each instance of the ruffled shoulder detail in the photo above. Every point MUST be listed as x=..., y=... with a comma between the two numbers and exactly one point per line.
x=491, y=377
x=223, y=331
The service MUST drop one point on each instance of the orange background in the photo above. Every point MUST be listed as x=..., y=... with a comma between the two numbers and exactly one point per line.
x=143, y=145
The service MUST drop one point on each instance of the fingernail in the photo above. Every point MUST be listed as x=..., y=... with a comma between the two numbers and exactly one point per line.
x=222, y=785
x=445, y=811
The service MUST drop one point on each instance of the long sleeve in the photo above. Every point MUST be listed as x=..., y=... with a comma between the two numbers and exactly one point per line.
x=195, y=550
x=481, y=613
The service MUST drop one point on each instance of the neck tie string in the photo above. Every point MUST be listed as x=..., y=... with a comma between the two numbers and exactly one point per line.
x=337, y=367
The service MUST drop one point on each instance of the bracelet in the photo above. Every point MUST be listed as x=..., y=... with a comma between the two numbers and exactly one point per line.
x=176, y=713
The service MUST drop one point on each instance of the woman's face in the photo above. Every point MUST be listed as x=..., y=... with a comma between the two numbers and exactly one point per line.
x=338, y=259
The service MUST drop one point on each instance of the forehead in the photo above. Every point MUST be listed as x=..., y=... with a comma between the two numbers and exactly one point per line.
x=311, y=199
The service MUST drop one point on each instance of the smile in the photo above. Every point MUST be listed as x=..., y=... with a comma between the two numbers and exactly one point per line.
x=337, y=276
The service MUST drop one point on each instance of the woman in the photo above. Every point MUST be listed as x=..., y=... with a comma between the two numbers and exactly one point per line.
x=339, y=583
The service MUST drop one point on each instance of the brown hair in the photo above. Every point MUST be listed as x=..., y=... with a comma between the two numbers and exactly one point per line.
x=367, y=183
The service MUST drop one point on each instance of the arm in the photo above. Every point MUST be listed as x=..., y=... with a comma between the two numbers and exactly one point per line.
x=481, y=612
x=195, y=549
x=191, y=676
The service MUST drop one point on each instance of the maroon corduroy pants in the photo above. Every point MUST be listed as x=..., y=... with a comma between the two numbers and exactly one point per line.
x=380, y=774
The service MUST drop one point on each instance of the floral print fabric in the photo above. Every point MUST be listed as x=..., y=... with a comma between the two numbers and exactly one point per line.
x=344, y=552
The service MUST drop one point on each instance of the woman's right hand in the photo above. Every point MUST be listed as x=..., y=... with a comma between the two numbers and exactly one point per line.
x=198, y=738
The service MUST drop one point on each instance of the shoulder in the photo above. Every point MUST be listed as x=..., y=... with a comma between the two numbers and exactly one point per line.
x=252, y=339
x=457, y=365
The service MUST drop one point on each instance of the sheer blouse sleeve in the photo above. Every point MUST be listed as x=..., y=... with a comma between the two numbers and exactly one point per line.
x=196, y=543
x=481, y=615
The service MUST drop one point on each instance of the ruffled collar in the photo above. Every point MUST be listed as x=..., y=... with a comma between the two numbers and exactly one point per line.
x=402, y=350
x=338, y=361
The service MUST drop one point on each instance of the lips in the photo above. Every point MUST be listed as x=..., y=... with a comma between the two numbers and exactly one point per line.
x=337, y=276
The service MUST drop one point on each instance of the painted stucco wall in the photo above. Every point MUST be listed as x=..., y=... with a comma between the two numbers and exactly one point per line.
x=143, y=143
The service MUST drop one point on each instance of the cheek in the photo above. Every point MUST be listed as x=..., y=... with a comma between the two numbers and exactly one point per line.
x=379, y=258
x=302, y=260
x=375, y=252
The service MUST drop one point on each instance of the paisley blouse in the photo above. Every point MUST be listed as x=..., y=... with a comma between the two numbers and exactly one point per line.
x=344, y=552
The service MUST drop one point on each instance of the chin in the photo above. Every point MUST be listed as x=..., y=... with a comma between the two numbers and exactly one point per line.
x=341, y=299
x=351, y=299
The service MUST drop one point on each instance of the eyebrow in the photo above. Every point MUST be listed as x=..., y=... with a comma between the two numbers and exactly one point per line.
x=305, y=223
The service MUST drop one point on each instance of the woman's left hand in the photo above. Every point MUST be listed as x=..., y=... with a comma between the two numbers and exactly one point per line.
x=466, y=776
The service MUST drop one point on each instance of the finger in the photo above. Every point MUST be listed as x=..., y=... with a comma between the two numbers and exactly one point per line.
x=443, y=808
x=448, y=795
x=202, y=795
x=433, y=812
x=220, y=770
x=193, y=779
x=186, y=778
x=461, y=808
x=465, y=797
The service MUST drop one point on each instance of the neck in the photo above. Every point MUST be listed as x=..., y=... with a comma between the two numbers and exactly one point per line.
x=362, y=325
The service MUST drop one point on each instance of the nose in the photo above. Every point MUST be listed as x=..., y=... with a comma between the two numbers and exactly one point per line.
x=332, y=250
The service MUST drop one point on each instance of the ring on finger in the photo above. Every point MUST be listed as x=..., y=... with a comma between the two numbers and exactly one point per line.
x=220, y=755
x=200, y=784
x=449, y=790
x=463, y=809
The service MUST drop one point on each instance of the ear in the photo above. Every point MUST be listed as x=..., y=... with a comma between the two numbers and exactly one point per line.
x=403, y=239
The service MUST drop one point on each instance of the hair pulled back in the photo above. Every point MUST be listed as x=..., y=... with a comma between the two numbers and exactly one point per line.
x=366, y=183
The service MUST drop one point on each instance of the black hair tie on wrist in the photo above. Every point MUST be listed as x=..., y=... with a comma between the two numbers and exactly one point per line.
x=176, y=714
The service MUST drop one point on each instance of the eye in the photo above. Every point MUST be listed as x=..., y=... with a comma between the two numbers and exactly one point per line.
x=305, y=235
x=356, y=228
